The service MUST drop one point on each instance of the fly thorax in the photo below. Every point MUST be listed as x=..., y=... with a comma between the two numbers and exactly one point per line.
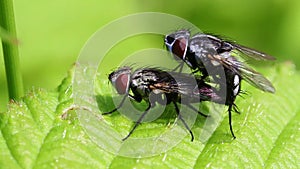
x=140, y=87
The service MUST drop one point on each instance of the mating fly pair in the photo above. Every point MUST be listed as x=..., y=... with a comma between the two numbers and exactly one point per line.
x=212, y=60
x=204, y=53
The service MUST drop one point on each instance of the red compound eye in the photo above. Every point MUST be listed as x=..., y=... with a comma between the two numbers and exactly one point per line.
x=179, y=47
x=122, y=83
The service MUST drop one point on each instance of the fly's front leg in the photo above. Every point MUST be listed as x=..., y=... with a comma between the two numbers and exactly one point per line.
x=133, y=97
x=138, y=122
x=119, y=106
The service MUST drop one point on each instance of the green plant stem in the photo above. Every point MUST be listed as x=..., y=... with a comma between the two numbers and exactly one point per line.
x=10, y=51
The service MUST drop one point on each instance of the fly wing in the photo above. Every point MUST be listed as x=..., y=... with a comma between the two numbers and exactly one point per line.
x=251, y=53
x=194, y=88
x=251, y=76
x=186, y=85
x=180, y=83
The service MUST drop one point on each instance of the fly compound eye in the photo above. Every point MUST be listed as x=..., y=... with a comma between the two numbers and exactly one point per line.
x=121, y=83
x=177, y=43
x=179, y=48
x=120, y=79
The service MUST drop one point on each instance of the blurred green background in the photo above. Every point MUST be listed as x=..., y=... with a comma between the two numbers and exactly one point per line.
x=52, y=33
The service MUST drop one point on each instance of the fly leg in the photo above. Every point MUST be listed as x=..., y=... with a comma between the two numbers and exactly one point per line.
x=193, y=108
x=230, y=125
x=120, y=105
x=138, y=122
x=136, y=98
x=182, y=120
x=236, y=109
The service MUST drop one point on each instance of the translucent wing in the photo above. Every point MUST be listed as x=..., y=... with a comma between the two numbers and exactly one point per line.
x=251, y=76
x=224, y=45
x=251, y=53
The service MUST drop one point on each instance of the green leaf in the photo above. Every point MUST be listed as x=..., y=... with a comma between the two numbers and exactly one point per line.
x=34, y=134
x=42, y=131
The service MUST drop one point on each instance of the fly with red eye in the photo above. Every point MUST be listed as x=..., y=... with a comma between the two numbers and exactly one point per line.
x=150, y=84
x=205, y=50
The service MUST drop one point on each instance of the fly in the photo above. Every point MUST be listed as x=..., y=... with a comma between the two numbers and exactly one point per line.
x=202, y=50
x=178, y=88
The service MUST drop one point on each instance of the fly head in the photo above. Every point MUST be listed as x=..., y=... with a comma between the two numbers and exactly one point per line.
x=120, y=79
